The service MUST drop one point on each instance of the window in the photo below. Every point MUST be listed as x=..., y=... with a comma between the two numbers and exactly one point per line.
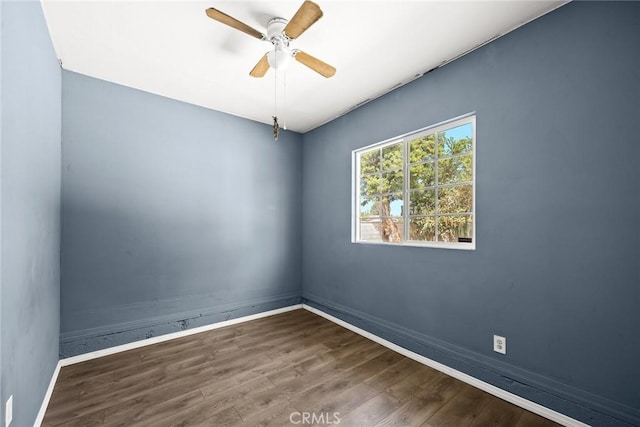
x=418, y=189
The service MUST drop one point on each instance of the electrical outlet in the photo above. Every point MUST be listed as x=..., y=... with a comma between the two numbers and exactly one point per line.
x=8, y=411
x=499, y=344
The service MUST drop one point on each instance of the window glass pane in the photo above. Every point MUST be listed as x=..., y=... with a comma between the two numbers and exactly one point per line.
x=392, y=205
x=392, y=230
x=456, y=169
x=457, y=140
x=422, y=149
x=392, y=157
x=451, y=228
x=392, y=181
x=370, y=161
x=369, y=206
x=422, y=228
x=370, y=229
x=369, y=185
x=376, y=229
x=421, y=176
x=422, y=202
x=455, y=199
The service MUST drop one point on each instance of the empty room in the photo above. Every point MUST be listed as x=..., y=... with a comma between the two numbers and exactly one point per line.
x=290, y=213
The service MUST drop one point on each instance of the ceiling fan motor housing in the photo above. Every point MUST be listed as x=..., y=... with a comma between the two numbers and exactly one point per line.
x=275, y=28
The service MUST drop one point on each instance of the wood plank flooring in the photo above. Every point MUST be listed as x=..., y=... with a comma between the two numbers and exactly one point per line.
x=271, y=372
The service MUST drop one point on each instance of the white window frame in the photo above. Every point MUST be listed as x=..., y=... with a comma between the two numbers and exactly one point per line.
x=355, y=184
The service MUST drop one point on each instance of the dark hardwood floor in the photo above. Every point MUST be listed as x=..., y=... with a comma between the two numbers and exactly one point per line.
x=290, y=369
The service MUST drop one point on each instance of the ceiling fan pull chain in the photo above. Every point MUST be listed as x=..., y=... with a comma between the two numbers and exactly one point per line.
x=276, y=126
x=275, y=92
x=284, y=101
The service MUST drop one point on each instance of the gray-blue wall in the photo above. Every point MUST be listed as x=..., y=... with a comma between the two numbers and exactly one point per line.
x=30, y=193
x=174, y=216
x=556, y=269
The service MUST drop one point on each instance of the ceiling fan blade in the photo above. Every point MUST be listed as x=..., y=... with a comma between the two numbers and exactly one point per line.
x=233, y=22
x=315, y=64
x=305, y=17
x=261, y=67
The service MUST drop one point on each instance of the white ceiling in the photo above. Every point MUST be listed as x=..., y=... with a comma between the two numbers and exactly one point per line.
x=171, y=48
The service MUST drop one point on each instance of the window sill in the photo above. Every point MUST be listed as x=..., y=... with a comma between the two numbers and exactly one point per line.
x=434, y=245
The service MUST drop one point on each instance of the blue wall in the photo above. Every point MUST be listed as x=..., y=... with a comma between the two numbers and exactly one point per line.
x=556, y=269
x=31, y=126
x=174, y=216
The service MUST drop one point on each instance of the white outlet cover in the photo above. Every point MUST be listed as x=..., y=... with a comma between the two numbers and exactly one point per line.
x=8, y=411
x=499, y=344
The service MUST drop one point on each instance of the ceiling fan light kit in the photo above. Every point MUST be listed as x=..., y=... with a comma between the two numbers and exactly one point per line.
x=279, y=58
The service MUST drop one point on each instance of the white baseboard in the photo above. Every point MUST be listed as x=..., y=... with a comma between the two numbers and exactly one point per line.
x=498, y=392
x=47, y=396
x=167, y=337
x=491, y=389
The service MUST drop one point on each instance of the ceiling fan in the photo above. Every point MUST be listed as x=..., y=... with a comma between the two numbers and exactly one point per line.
x=279, y=33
